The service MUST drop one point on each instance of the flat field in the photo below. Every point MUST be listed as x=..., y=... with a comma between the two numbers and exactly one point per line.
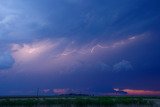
x=76, y=101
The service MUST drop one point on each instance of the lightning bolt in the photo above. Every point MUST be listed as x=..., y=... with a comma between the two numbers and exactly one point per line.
x=67, y=53
x=98, y=46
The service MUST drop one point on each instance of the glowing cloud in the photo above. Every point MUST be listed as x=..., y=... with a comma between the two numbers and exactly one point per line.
x=28, y=52
x=141, y=92
x=60, y=54
x=61, y=91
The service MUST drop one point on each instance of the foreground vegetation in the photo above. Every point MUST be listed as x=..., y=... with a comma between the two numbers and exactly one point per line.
x=86, y=100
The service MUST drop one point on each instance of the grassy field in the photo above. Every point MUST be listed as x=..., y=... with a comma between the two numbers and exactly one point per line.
x=80, y=101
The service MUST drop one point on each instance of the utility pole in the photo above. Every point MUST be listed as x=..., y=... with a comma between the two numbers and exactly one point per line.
x=37, y=92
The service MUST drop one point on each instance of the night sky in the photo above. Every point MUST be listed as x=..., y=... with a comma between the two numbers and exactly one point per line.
x=99, y=47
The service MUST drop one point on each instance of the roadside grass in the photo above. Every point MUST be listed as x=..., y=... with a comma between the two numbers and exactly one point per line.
x=76, y=101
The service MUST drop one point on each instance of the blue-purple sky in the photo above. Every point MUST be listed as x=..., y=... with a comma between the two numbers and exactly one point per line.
x=87, y=46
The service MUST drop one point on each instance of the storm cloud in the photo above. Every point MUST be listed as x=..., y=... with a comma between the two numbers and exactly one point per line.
x=6, y=61
x=91, y=46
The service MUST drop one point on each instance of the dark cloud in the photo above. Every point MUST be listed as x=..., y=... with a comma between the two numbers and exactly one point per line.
x=26, y=21
x=6, y=61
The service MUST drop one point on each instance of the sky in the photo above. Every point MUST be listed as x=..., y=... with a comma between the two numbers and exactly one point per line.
x=99, y=47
